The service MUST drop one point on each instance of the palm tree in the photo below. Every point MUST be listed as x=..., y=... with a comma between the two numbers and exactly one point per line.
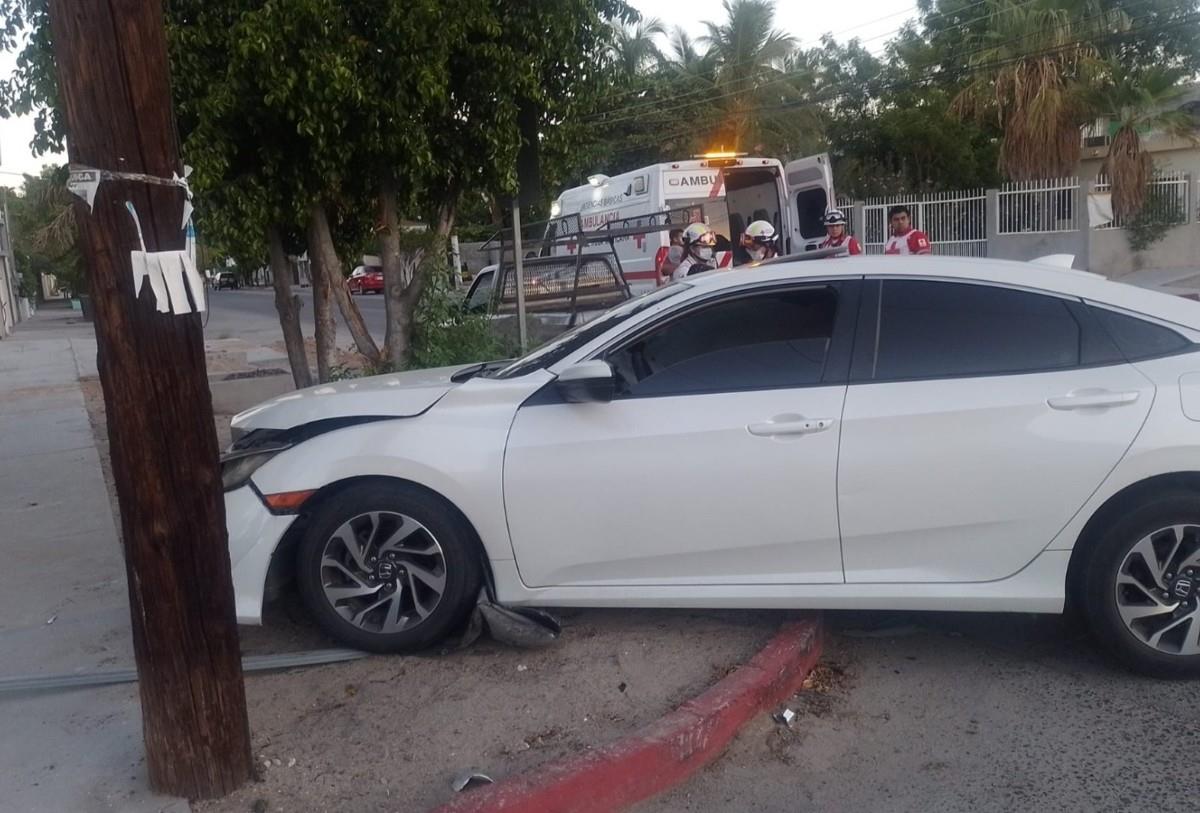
x=633, y=48
x=685, y=57
x=1137, y=101
x=749, y=54
x=1029, y=68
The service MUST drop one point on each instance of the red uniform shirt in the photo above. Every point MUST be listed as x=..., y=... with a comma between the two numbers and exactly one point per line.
x=913, y=241
x=845, y=239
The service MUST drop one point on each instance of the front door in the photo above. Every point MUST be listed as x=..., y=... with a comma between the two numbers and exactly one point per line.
x=981, y=421
x=714, y=464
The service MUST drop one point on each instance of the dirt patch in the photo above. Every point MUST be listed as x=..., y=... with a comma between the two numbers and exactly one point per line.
x=390, y=733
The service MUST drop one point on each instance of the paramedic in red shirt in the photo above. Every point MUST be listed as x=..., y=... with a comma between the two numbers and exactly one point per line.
x=835, y=229
x=905, y=239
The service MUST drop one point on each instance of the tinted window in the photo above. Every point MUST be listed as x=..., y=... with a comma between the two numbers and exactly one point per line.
x=481, y=290
x=771, y=339
x=811, y=205
x=562, y=346
x=1137, y=338
x=934, y=329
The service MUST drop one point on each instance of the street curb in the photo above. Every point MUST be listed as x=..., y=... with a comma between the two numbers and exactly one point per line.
x=666, y=752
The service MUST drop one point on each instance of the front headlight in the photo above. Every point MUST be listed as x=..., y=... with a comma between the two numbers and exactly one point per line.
x=237, y=467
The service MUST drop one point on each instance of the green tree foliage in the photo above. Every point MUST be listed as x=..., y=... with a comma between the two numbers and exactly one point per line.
x=1137, y=101
x=43, y=232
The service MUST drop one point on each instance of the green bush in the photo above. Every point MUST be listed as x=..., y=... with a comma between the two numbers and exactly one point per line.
x=1161, y=210
x=444, y=333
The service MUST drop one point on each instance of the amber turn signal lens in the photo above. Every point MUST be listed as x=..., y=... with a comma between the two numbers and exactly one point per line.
x=287, y=500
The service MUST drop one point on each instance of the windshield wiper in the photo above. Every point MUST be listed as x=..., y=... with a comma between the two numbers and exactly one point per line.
x=482, y=369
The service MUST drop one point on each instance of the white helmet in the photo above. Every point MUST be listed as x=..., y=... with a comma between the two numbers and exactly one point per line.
x=700, y=241
x=759, y=239
x=760, y=231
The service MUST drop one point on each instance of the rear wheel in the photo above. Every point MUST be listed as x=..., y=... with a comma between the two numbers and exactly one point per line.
x=1142, y=587
x=388, y=568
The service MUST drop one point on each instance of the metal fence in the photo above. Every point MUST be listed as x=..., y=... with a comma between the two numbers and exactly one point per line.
x=1038, y=207
x=847, y=207
x=1168, y=199
x=955, y=222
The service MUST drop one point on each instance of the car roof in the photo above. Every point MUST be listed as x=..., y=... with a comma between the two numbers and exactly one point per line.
x=1051, y=279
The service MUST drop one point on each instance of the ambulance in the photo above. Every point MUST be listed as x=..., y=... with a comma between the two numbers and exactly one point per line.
x=727, y=190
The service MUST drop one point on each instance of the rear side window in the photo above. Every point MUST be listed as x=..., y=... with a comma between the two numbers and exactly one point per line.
x=944, y=329
x=1139, y=339
x=762, y=341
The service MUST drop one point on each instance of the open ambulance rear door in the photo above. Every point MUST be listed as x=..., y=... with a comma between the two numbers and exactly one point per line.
x=810, y=194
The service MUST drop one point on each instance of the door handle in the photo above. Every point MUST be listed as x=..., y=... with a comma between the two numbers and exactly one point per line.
x=1092, y=399
x=789, y=425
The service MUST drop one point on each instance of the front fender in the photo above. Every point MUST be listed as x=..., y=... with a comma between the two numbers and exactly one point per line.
x=455, y=449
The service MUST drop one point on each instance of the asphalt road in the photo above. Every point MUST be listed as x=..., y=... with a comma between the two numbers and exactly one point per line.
x=249, y=313
x=941, y=712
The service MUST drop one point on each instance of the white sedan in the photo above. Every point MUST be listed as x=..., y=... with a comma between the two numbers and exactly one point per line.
x=924, y=433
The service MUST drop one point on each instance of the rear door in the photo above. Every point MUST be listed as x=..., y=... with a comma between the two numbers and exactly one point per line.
x=979, y=419
x=810, y=194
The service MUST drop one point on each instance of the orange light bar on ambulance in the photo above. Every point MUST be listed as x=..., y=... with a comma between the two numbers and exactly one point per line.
x=721, y=158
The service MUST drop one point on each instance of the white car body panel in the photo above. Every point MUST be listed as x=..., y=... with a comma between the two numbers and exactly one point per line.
x=254, y=532
x=1038, y=588
x=621, y=480
x=456, y=438
x=392, y=395
x=1169, y=442
x=967, y=479
x=456, y=451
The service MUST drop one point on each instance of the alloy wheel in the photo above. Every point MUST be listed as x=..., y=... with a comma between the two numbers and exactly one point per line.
x=383, y=572
x=1158, y=590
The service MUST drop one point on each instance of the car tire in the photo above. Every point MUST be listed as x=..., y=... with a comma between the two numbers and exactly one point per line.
x=372, y=592
x=1145, y=614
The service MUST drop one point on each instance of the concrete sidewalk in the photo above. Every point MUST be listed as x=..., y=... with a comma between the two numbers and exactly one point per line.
x=63, y=602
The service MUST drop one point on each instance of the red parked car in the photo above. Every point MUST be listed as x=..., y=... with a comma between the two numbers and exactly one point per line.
x=366, y=279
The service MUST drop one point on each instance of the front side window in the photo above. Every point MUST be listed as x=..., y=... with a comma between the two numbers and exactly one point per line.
x=562, y=346
x=764, y=340
x=945, y=329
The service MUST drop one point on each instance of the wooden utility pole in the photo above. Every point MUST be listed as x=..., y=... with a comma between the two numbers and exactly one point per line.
x=114, y=89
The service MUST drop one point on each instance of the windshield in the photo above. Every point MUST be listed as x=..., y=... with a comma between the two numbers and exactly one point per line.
x=562, y=346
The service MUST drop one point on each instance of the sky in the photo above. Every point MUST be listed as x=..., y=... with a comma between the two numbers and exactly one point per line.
x=872, y=21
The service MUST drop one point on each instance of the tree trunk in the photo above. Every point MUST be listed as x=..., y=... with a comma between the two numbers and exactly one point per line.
x=326, y=326
x=399, y=272
x=320, y=245
x=288, y=305
x=446, y=212
x=115, y=92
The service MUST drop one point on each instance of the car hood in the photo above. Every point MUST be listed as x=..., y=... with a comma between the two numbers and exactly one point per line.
x=396, y=395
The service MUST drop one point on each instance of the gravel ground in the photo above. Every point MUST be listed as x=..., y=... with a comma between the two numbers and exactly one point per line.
x=390, y=733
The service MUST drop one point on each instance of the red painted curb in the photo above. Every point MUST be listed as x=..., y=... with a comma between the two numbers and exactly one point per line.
x=667, y=751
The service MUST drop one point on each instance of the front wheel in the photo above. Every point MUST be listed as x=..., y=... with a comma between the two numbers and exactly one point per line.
x=388, y=568
x=1142, y=587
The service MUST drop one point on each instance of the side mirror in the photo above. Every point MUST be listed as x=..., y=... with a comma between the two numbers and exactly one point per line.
x=587, y=382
